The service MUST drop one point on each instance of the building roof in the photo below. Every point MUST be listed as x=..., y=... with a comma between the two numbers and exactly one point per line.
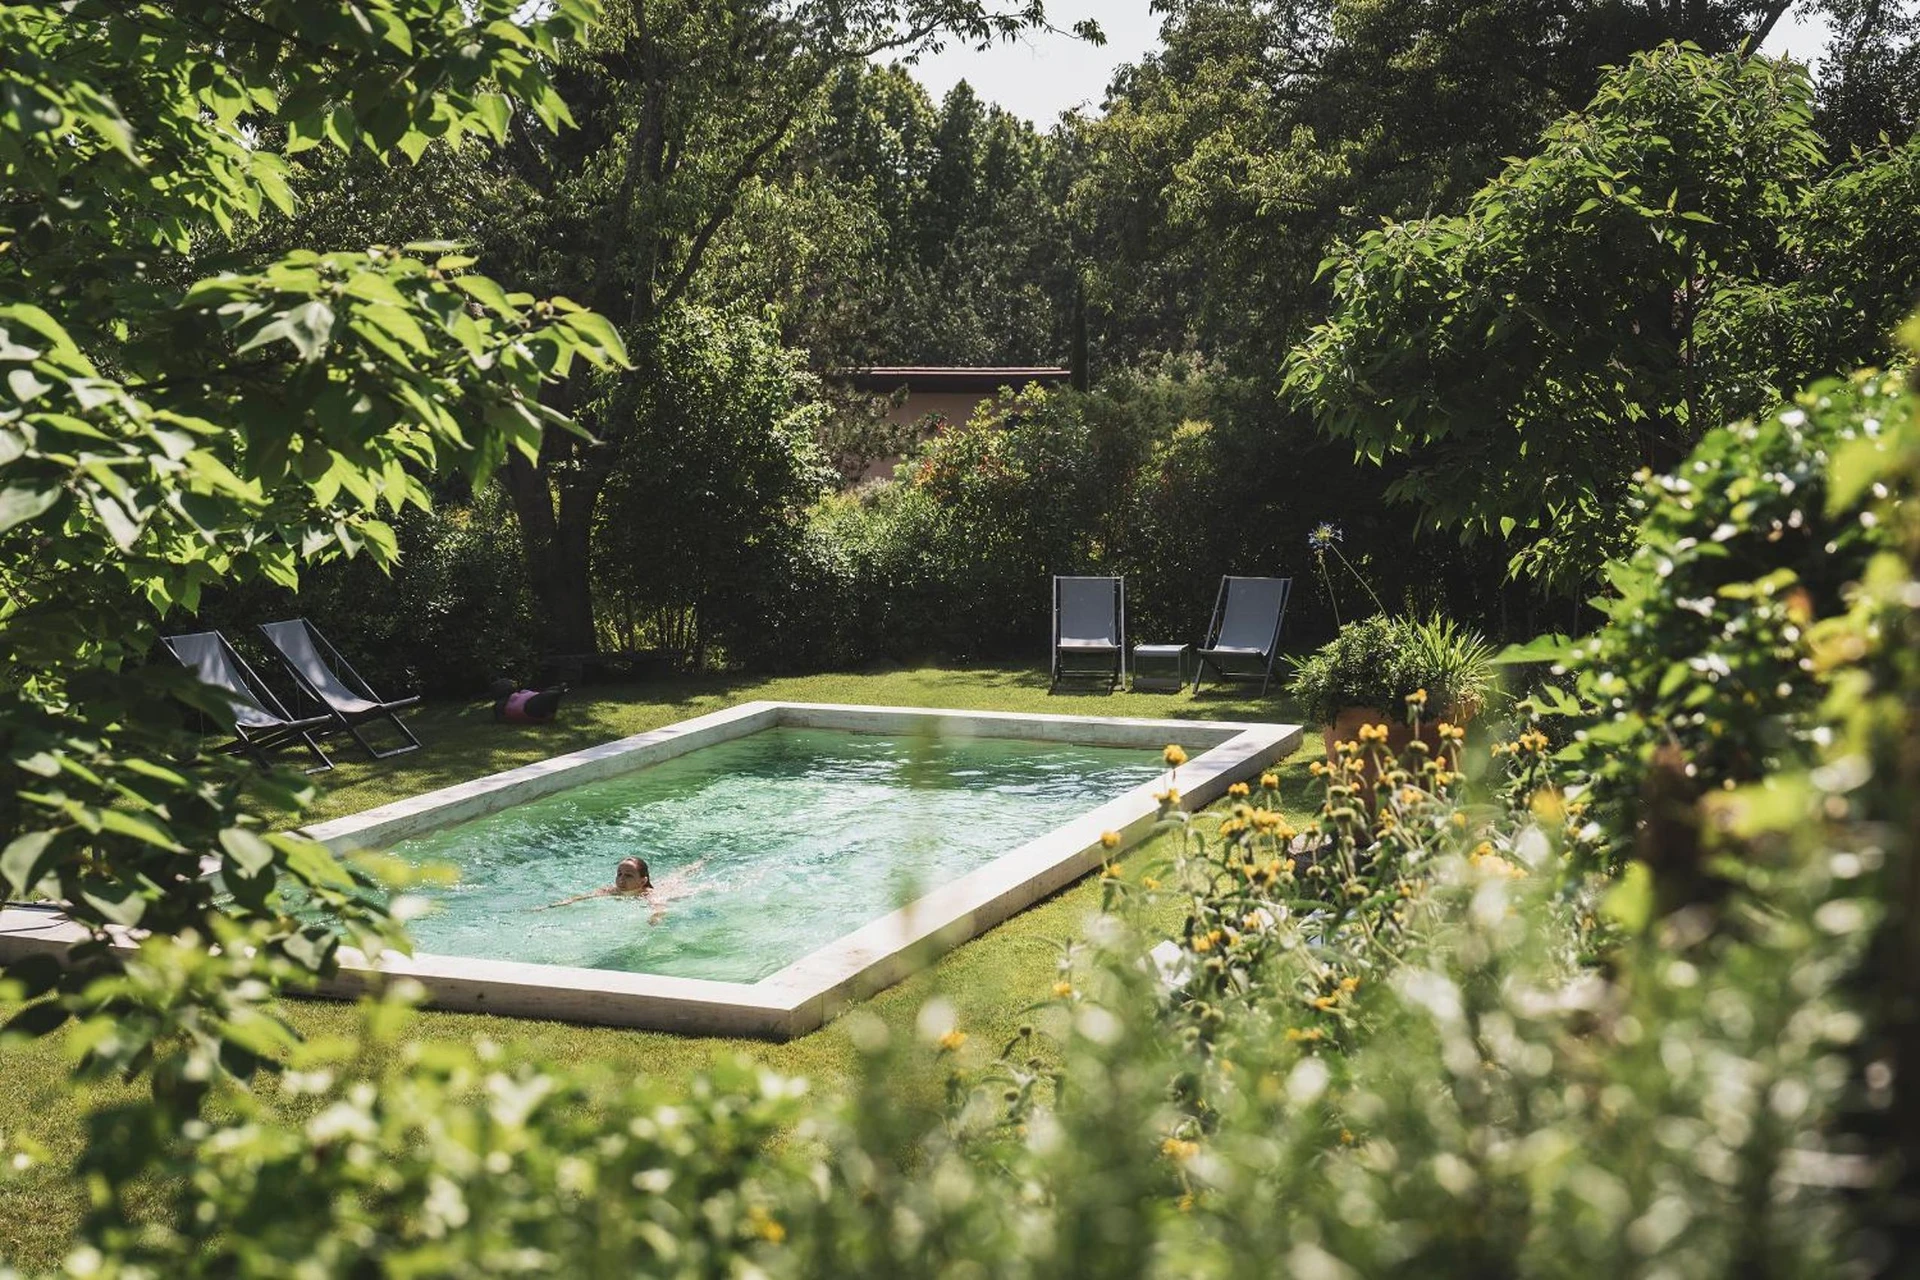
x=982, y=378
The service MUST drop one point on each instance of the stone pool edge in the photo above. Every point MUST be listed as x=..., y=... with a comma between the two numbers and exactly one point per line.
x=805, y=995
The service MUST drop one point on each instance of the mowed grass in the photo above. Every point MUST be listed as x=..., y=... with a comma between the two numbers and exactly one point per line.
x=992, y=983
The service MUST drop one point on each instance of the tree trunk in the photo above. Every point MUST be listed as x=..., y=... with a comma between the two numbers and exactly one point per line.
x=559, y=548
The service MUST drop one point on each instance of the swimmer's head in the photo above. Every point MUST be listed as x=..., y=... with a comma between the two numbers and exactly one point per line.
x=631, y=876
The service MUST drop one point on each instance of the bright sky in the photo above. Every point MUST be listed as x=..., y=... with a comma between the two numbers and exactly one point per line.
x=1041, y=76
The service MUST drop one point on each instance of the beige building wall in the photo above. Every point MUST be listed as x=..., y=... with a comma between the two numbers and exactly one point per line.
x=957, y=407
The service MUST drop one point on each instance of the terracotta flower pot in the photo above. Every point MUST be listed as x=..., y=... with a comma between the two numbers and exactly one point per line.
x=1346, y=728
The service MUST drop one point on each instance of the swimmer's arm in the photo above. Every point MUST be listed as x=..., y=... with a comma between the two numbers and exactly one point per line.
x=578, y=897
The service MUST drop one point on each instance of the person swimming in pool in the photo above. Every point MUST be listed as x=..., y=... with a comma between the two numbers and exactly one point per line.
x=631, y=879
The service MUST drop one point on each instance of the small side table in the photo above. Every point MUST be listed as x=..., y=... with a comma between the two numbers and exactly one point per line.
x=1160, y=666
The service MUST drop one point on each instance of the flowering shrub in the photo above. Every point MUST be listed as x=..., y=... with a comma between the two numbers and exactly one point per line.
x=1712, y=668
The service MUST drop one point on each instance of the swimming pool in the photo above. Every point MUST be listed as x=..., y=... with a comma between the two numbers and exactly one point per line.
x=759, y=847
x=971, y=866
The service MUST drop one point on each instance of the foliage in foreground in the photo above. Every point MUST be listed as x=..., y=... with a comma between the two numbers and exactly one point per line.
x=159, y=433
x=1419, y=1034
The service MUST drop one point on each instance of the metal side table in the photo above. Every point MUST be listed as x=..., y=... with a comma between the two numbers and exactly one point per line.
x=1161, y=666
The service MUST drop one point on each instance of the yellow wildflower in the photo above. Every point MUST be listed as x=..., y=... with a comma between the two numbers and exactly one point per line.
x=1179, y=1149
x=1459, y=820
x=1148, y=882
x=1063, y=989
x=1109, y=839
x=1418, y=698
x=1269, y=782
x=1349, y=985
x=1346, y=1137
x=1324, y=1003
x=1296, y=1035
x=1109, y=872
x=952, y=1040
x=1174, y=756
x=1239, y=789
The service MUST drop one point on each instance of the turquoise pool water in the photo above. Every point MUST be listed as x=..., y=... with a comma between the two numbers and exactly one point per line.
x=762, y=849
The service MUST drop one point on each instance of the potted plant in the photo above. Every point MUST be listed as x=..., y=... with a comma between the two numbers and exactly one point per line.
x=1373, y=667
x=1367, y=673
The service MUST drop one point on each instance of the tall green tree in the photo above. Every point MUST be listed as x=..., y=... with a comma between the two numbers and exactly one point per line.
x=684, y=106
x=1229, y=159
x=1671, y=256
x=966, y=259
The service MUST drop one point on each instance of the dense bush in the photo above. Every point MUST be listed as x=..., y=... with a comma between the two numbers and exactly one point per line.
x=697, y=533
x=449, y=615
x=1171, y=478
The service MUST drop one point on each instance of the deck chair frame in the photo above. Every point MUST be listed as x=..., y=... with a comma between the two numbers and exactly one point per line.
x=349, y=679
x=1112, y=667
x=1223, y=664
x=256, y=741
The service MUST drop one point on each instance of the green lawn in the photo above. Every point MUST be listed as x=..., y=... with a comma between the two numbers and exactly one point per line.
x=991, y=982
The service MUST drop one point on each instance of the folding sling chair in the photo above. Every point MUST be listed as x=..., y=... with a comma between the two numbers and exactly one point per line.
x=333, y=683
x=1244, y=637
x=260, y=722
x=1089, y=629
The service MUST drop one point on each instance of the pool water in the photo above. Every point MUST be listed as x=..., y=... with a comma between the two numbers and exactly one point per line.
x=762, y=849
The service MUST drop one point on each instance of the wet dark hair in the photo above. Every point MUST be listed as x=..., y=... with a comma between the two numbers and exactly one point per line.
x=500, y=688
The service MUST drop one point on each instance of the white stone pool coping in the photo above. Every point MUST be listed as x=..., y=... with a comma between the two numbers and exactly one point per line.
x=813, y=989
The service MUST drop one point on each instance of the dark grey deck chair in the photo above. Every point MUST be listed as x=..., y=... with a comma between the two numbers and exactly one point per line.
x=260, y=723
x=1089, y=629
x=333, y=683
x=1244, y=636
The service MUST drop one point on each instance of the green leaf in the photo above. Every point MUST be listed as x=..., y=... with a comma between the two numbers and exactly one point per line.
x=599, y=332
x=494, y=112
x=249, y=852
x=117, y=904
x=485, y=292
x=121, y=527
x=26, y=386
x=141, y=828
x=312, y=863
x=20, y=862
x=1629, y=903
x=20, y=503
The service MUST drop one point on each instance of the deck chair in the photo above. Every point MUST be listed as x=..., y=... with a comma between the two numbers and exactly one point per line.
x=334, y=684
x=1244, y=636
x=260, y=723
x=1089, y=629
